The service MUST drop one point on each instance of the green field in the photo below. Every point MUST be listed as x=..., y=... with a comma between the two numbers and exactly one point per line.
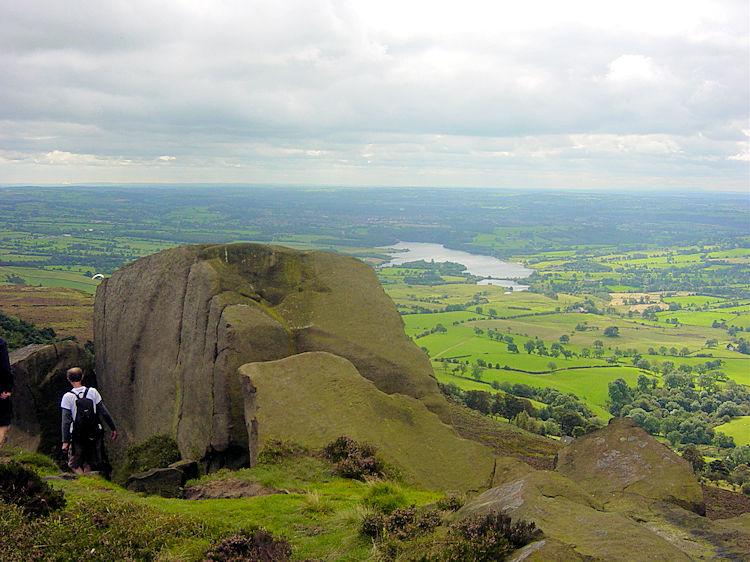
x=50, y=278
x=736, y=316
x=524, y=316
x=738, y=428
x=588, y=384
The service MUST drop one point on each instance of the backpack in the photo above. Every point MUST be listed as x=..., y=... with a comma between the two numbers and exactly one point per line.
x=86, y=423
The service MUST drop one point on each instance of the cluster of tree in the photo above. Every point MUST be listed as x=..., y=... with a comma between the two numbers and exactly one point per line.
x=550, y=396
x=710, y=276
x=443, y=268
x=741, y=345
x=19, y=333
x=713, y=277
x=423, y=278
x=734, y=468
x=683, y=410
x=539, y=347
x=439, y=328
x=563, y=414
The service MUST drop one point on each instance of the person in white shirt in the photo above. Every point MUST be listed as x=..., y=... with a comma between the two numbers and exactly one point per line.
x=84, y=448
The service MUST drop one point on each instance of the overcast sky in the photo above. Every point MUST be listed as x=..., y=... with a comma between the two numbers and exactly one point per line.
x=575, y=94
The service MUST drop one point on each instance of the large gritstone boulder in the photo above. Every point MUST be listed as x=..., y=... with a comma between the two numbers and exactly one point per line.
x=40, y=382
x=314, y=398
x=171, y=330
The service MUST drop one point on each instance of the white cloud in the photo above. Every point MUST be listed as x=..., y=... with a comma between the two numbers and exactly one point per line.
x=635, y=70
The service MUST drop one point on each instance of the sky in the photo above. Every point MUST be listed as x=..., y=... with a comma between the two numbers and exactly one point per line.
x=627, y=95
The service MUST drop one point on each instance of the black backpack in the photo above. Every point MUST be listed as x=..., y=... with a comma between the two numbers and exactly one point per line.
x=86, y=423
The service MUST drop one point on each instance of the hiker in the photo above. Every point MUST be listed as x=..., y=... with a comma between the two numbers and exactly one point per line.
x=6, y=388
x=81, y=431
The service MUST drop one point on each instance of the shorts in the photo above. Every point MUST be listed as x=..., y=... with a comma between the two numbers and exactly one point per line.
x=6, y=412
x=83, y=454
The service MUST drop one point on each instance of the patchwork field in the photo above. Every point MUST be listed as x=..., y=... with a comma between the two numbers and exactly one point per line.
x=470, y=347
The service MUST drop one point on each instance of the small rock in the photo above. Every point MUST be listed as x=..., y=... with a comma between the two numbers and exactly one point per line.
x=165, y=482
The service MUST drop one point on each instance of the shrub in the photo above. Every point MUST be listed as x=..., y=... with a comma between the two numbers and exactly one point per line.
x=256, y=545
x=158, y=451
x=488, y=537
x=746, y=488
x=373, y=525
x=355, y=460
x=385, y=497
x=23, y=487
x=449, y=503
x=277, y=450
x=402, y=524
x=105, y=530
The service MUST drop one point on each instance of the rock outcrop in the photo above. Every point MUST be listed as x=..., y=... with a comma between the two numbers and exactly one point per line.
x=313, y=398
x=617, y=494
x=172, y=329
x=40, y=382
x=623, y=460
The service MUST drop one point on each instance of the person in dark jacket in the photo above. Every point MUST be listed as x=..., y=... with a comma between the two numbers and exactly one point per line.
x=6, y=389
x=83, y=455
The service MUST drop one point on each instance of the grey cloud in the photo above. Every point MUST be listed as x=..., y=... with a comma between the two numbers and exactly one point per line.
x=270, y=82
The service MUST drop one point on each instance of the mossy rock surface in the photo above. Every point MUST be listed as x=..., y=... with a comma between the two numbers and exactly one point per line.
x=171, y=330
x=565, y=512
x=622, y=459
x=612, y=499
x=549, y=549
x=315, y=397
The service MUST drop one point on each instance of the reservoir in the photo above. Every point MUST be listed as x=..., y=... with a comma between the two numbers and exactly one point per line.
x=495, y=271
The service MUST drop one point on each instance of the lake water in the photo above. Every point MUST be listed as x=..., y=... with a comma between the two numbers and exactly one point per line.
x=496, y=272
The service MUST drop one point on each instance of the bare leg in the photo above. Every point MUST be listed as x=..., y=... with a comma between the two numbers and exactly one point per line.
x=4, y=434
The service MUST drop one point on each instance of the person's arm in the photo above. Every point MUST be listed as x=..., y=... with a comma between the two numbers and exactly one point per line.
x=67, y=420
x=6, y=373
x=104, y=414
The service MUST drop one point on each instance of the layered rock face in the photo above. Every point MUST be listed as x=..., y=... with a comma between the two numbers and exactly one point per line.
x=39, y=377
x=172, y=329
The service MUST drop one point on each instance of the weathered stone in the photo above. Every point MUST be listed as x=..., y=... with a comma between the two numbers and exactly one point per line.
x=565, y=512
x=546, y=550
x=40, y=382
x=622, y=459
x=613, y=498
x=314, y=398
x=165, y=482
x=171, y=330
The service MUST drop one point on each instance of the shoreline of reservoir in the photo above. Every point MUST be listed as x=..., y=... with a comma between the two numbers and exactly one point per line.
x=493, y=270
